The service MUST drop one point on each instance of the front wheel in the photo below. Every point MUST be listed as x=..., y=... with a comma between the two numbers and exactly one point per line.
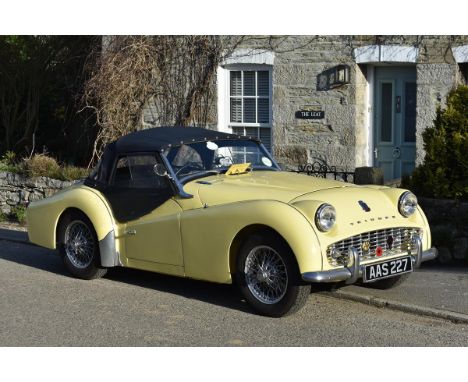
x=268, y=276
x=79, y=247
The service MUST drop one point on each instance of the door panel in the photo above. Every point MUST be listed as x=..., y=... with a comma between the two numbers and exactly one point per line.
x=144, y=202
x=156, y=237
x=395, y=120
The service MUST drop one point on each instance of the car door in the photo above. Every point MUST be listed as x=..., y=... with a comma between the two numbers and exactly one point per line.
x=144, y=202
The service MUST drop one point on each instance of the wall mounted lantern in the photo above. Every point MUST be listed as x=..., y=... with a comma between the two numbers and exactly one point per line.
x=333, y=77
x=340, y=76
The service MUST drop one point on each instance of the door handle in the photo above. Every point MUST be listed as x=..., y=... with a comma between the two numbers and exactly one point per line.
x=396, y=152
x=376, y=153
x=130, y=232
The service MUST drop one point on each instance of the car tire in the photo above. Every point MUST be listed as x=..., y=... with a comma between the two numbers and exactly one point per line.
x=79, y=246
x=389, y=283
x=273, y=288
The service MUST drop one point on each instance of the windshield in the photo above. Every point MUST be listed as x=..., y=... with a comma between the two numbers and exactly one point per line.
x=204, y=158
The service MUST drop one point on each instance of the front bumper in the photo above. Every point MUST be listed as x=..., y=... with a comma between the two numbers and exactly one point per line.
x=354, y=271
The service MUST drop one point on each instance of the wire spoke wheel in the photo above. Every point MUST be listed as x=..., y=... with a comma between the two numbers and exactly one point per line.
x=79, y=244
x=266, y=275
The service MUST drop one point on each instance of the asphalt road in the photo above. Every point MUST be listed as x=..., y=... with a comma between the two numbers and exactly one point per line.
x=40, y=305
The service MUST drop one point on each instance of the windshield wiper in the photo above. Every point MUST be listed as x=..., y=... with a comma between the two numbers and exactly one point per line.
x=199, y=174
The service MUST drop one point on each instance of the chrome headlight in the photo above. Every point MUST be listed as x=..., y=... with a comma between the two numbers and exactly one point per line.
x=407, y=204
x=325, y=217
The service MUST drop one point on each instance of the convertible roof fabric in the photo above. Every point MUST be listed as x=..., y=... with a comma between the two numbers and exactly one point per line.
x=152, y=140
x=161, y=138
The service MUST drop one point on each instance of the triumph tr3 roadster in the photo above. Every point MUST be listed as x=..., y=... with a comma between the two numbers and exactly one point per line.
x=213, y=206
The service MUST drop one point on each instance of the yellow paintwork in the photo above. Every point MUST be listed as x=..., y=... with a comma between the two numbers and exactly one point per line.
x=193, y=237
x=43, y=215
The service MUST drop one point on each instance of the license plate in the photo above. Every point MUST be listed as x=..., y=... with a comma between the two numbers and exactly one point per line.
x=388, y=268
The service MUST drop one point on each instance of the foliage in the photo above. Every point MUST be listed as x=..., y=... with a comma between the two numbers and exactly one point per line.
x=73, y=173
x=174, y=73
x=19, y=214
x=444, y=171
x=43, y=165
x=41, y=79
x=3, y=217
x=8, y=162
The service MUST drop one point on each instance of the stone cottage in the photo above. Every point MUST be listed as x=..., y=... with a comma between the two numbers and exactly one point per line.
x=347, y=101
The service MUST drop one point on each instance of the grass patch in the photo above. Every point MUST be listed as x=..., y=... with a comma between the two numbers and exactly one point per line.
x=41, y=165
x=73, y=173
x=19, y=214
x=8, y=162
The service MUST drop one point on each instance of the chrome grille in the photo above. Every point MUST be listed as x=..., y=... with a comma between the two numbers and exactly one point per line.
x=390, y=240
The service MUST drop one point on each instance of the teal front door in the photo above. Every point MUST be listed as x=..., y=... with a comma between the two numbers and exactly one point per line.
x=395, y=120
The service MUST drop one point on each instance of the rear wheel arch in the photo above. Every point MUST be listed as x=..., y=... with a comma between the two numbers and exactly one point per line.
x=78, y=244
x=62, y=218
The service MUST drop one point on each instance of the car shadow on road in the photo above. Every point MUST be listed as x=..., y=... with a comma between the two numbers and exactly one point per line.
x=32, y=256
x=211, y=293
x=49, y=261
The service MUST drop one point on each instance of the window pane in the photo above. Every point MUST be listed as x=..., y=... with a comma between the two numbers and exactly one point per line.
x=238, y=130
x=386, y=113
x=410, y=112
x=263, y=110
x=265, y=137
x=136, y=171
x=236, y=84
x=249, y=110
x=263, y=83
x=249, y=83
x=122, y=177
x=236, y=110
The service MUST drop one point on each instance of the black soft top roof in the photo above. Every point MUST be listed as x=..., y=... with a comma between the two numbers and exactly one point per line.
x=151, y=140
x=161, y=138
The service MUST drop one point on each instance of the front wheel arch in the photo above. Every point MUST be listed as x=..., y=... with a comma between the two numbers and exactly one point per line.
x=246, y=232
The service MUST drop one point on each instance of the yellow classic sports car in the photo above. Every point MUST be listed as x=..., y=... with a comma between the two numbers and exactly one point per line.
x=212, y=206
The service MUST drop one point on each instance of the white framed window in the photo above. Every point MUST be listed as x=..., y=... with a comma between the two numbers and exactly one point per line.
x=248, y=106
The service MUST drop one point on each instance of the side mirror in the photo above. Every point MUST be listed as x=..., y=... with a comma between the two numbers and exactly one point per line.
x=160, y=170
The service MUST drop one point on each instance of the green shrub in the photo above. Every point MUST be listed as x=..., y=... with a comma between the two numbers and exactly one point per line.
x=73, y=173
x=41, y=165
x=19, y=213
x=3, y=217
x=8, y=162
x=444, y=173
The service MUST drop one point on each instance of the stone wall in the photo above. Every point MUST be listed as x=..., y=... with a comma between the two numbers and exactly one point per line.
x=16, y=190
x=449, y=227
x=342, y=137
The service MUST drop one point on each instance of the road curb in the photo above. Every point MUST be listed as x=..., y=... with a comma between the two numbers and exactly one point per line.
x=458, y=318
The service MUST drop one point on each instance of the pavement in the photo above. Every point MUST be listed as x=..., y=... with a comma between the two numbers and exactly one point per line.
x=432, y=291
x=42, y=305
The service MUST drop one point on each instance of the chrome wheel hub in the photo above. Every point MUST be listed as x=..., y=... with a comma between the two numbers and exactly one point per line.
x=266, y=275
x=79, y=244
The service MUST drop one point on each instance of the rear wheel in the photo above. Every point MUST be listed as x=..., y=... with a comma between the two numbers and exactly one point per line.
x=389, y=283
x=79, y=246
x=268, y=276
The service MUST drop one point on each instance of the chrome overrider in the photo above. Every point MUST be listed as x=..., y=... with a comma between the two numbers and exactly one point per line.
x=354, y=270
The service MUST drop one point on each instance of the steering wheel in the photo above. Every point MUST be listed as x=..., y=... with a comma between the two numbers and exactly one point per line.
x=220, y=158
x=191, y=165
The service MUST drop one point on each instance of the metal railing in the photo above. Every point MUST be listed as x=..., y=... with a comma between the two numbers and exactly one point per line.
x=322, y=170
